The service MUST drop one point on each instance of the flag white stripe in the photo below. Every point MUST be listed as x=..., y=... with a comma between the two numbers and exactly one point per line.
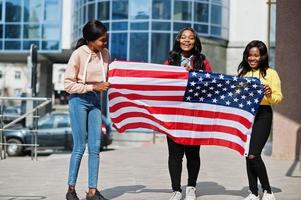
x=149, y=93
x=149, y=67
x=181, y=118
x=142, y=81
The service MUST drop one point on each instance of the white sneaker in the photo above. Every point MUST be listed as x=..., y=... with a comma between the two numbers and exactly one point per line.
x=267, y=196
x=252, y=197
x=176, y=196
x=190, y=193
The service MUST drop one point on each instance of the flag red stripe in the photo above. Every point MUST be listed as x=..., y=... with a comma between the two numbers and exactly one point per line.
x=147, y=74
x=210, y=141
x=149, y=87
x=146, y=97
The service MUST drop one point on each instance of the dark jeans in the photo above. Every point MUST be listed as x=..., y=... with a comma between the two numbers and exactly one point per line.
x=260, y=133
x=175, y=158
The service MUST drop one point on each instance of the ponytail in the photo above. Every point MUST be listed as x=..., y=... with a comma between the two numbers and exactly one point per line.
x=80, y=42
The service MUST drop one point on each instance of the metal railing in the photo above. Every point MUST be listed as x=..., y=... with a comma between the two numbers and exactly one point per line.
x=34, y=131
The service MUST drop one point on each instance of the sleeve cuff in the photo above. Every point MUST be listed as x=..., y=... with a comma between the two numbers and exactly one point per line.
x=89, y=88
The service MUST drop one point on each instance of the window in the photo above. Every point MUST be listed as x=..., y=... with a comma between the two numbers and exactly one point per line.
x=1, y=31
x=119, y=46
x=27, y=44
x=12, y=45
x=91, y=11
x=12, y=31
x=31, y=31
x=139, y=9
x=216, y=14
x=161, y=9
x=139, y=26
x=46, y=122
x=119, y=26
x=161, y=26
x=139, y=41
x=32, y=10
x=160, y=47
x=0, y=11
x=63, y=121
x=182, y=10
x=120, y=9
x=179, y=26
x=201, y=12
x=51, y=32
x=50, y=45
x=52, y=11
x=201, y=28
x=103, y=11
x=17, y=75
x=13, y=10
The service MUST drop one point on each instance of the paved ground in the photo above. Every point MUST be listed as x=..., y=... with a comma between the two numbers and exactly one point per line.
x=137, y=170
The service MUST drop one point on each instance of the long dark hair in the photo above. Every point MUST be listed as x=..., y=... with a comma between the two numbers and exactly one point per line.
x=91, y=31
x=263, y=65
x=174, y=57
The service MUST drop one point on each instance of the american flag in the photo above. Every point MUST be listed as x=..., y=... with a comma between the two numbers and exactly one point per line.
x=193, y=108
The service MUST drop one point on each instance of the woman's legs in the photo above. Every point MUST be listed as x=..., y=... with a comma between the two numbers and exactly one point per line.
x=94, y=140
x=192, y=154
x=255, y=165
x=78, y=116
x=175, y=158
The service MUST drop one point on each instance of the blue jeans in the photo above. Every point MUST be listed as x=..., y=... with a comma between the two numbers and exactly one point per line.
x=85, y=116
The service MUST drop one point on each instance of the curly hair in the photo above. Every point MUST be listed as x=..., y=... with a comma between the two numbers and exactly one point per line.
x=174, y=57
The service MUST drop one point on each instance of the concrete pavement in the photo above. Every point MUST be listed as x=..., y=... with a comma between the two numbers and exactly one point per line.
x=136, y=169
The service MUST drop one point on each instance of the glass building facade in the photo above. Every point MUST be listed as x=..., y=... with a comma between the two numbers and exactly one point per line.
x=144, y=30
x=26, y=22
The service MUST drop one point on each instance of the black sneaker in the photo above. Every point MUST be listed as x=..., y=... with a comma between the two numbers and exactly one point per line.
x=97, y=196
x=71, y=196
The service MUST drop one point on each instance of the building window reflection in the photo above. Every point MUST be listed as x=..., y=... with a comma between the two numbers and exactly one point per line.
x=120, y=9
x=12, y=31
x=119, y=46
x=51, y=11
x=103, y=11
x=201, y=12
x=216, y=14
x=17, y=75
x=30, y=21
x=161, y=9
x=139, y=41
x=31, y=31
x=139, y=26
x=182, y=10
x=91, y=11
x=32, y=11
x=160, y=47
x=13, y=10
x=151, y=25
x=139, y=9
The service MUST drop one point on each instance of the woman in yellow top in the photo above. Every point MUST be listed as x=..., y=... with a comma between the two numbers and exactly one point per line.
x=255, y=64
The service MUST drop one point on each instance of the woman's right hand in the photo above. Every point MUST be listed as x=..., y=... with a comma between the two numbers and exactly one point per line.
x=103, y=86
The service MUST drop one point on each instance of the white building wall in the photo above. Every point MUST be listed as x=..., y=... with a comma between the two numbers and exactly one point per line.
x=67, y=24
x=248, y=20
x=10, y=83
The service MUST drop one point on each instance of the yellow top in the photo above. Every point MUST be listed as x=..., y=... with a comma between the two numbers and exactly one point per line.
x=271, y=79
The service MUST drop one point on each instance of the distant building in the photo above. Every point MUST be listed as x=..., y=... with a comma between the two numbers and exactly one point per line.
x=139, y=30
